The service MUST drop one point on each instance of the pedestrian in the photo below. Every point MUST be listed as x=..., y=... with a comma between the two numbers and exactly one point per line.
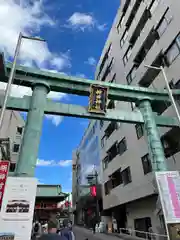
x=36, y=230
x=52, y=233
x=67, y=232
x=94, y=225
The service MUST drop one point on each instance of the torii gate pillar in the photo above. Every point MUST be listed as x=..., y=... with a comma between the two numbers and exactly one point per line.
x=32, y=133
x=156, y=151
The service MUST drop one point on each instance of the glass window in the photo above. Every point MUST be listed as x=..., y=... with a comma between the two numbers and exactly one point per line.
x=127, y=55
x=172, y=53
x=12, y=167
x=146, y=162
x=123, y=39
x=19, y=130
x=154, y=5
x=178, y=40
x=139, y=130
x=102, y=142
x=165, y=21
x=126, y=176
x=131, y=75
x=16, y=148
x=101, y=123
x=113, y=80
x=120, y=24
x=122, y=146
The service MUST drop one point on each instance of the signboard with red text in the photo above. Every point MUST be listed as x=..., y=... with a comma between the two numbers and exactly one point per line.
x=4, y=168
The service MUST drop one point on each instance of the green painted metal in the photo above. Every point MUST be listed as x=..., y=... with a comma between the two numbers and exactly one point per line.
x=56, y=108
x=38, y=105
x=30, y=143
x=44, y=190
x=155, y=147
x=61, y=83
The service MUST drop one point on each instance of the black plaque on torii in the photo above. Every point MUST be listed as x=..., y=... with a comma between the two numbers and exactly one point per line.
x=98, y=99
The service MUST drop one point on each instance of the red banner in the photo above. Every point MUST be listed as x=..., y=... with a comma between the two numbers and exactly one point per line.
x=4, y=167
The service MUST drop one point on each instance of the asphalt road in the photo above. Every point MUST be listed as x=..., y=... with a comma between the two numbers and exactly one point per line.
x=84, y=234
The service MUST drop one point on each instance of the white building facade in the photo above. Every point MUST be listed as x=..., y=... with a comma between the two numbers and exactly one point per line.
x=144, y=32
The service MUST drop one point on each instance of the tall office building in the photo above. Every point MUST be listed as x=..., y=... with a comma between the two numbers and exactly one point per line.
x=86, y=163
x=144, y=32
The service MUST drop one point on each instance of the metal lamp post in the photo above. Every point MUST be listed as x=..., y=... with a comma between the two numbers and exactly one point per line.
x=12, y=73
x=168, y=89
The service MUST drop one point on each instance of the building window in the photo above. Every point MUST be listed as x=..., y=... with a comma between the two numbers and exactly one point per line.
x=113, y=152
x=12, y=167
x=122, y=146
x=126, y=176
x=133, y=106
x=111, y=104
x=174, y=50
x=111, y=128
x=131, y=75
x=127, y=55
x=16, y=148
x=101, y=123
x=154, y=5
x=113, y=80
x=105, y=162
x=103, y=141
x=165, y=21
x=19, y=130
x=120, y=23
x=116, y=178
x=146, y=162
x=111, y=64
x=139, y=130
x=123, y=39
x=107, y=187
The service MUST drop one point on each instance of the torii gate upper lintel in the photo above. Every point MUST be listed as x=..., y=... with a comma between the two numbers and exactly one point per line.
x=42, y=82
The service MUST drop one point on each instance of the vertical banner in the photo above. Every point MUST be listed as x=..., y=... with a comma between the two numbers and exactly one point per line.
x=98, y=99
x=169, y=192
x=4, y=168
x=17, y=209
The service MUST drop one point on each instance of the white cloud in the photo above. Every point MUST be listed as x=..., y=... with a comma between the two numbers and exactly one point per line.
x=56, y=120
x=91, y=61
x=27, y=17
x=18, y=91
x=81, y=75
x=84, y=21
x=62, y=163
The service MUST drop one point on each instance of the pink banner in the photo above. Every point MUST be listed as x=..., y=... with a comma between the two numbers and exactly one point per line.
x=174, y=197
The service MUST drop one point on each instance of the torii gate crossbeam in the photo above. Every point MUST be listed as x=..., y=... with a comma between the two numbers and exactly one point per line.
x=42, y=82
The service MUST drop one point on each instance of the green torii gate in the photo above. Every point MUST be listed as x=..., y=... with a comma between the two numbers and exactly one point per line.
x=42, y=82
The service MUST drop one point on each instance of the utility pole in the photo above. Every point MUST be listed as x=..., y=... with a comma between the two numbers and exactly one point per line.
x=97, y=202
x=12, y=73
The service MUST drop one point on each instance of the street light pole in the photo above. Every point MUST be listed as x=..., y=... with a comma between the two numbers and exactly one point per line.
x=12, y=73
x=97, y=202
x=168, y=89
x=11, y=76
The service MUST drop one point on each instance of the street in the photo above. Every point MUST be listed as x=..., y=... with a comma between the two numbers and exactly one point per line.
x=83, y=234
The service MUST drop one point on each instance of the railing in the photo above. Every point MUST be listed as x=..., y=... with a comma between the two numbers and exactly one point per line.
x=143, y=235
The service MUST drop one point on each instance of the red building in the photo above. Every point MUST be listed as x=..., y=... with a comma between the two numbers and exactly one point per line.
x=47, y=202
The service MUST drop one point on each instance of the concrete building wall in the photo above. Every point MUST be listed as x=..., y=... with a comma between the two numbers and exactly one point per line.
x=141, y=184
x=13, y=127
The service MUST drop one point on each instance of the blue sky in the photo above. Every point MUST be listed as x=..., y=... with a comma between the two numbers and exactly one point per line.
x=75, y=32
